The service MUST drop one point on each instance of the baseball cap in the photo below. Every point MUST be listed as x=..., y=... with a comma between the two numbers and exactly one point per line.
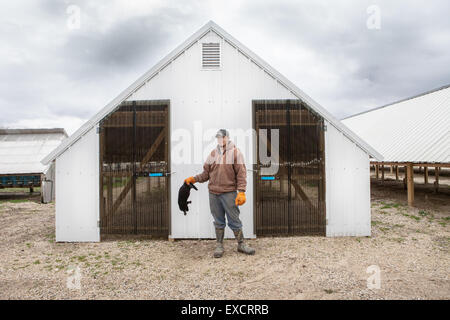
x=222, y=133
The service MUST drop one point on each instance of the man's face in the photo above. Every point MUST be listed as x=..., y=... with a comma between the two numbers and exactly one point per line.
x=221, y=141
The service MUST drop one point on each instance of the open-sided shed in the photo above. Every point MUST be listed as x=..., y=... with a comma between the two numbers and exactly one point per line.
x=21, y=152
x=413, y=132
x=121, y=171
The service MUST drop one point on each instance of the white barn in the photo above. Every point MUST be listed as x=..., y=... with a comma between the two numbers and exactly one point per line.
x=21, y=152
x=415, y=134
x=121, y=171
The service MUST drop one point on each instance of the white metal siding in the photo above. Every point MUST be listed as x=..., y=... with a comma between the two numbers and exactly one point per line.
x=77, y=191
x=347, y=186
x=413, y=130
x=48, y=184
x=220, y=99
x=212, y=99
x=173, y=55
x=22, y=153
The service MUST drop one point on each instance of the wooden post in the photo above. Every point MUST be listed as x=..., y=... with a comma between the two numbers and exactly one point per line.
x=404, y=180
x=392, y=169
x=436, y=182
x=396, y=173
x=410, y=184
x=377, y=171
x=425, y=175
x=382, y=174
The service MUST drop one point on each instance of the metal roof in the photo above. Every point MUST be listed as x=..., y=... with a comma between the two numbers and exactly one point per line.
x=415, y=129
x=21, y=150
x=210, y=26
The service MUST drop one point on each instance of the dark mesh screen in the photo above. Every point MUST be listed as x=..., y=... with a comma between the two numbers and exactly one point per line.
x=134, y=151
x=292, y=201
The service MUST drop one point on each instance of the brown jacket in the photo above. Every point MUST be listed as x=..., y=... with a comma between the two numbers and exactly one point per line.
x=225, y=170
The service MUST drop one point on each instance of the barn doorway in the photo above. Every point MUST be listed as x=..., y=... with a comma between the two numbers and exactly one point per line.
x=135, y=169
x=292, y=200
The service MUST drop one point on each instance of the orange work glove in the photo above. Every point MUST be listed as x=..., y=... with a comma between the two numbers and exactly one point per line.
x=189, y=180
x=240, y=199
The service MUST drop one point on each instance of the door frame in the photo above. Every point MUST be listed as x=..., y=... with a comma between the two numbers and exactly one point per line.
x=322, y=146
x=167, y=103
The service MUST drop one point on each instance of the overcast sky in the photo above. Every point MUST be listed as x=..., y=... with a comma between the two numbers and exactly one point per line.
x=56, y=76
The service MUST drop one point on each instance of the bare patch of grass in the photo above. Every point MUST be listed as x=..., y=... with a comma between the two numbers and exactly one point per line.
x=398, y=239
x=411, y=216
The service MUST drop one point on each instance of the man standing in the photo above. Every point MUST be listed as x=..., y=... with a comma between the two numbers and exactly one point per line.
x=226, y=172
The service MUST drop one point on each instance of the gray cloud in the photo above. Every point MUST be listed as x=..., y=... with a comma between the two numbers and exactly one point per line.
x=48, y=71
x=56, y=72
x=397, y=61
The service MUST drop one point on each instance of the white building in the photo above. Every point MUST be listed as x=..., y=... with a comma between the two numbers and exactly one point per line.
x=21, y=152
x=210, y=81
x=415, y=133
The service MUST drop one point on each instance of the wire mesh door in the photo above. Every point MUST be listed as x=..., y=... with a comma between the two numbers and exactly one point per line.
x=290, y=200
x=135, y=170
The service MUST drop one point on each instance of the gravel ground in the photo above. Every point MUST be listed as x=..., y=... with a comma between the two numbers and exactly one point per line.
x=410, y=246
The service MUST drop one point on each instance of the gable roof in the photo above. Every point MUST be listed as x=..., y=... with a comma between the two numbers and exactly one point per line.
x=210, y=26
x=415, y=129
x=21, y=150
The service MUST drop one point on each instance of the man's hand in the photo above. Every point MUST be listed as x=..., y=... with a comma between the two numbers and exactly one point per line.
x=189, y=180
x=240, y=199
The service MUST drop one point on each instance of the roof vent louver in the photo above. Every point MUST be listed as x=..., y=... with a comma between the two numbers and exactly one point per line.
x=211, y=55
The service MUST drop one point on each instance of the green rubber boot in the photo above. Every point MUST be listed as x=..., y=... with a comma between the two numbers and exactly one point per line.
x=218, y=251
x=242, y=247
